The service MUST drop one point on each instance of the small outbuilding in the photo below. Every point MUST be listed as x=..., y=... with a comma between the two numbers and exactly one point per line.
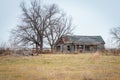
x=72, y=43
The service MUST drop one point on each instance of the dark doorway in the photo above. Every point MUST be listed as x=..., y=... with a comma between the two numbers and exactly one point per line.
x=68, y=48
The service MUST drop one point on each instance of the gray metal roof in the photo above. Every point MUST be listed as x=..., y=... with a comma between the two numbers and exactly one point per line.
x=85, y=39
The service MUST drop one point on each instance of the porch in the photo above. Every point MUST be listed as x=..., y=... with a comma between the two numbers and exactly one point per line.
x=76, y=47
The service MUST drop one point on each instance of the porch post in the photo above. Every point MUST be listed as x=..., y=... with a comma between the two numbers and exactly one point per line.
x=76, y=48
x=83, y=47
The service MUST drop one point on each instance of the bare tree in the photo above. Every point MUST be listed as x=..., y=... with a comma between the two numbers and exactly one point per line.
x=31, y=29
x=115, y=32
x=34, y=22
x=41, y=21
x=58, y=27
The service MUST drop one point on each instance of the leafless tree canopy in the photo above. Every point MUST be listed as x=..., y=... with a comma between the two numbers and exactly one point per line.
x=59, y=25
x=41, y=21
x=115, y=32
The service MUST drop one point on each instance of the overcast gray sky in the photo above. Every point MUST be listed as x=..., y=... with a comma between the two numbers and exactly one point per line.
x=91, y=17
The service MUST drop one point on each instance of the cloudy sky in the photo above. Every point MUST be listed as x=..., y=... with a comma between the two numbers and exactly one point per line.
x=91, y=17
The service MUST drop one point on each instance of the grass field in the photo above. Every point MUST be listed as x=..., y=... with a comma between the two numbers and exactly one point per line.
x=60, y=67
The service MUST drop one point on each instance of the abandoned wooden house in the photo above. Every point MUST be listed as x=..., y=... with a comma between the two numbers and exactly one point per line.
x=80, y=43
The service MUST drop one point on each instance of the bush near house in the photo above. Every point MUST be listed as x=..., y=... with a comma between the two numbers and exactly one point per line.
x=4, y=51
x=115, y=52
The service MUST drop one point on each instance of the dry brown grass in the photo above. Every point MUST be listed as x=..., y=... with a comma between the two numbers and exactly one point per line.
x=60, y=67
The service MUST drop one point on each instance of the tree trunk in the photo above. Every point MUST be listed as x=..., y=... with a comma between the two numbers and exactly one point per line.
x=37, y=49
x=41, y=43
x=52, y=48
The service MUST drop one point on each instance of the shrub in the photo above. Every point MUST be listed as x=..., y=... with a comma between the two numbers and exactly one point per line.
x=115, y=52
x=2, y=50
